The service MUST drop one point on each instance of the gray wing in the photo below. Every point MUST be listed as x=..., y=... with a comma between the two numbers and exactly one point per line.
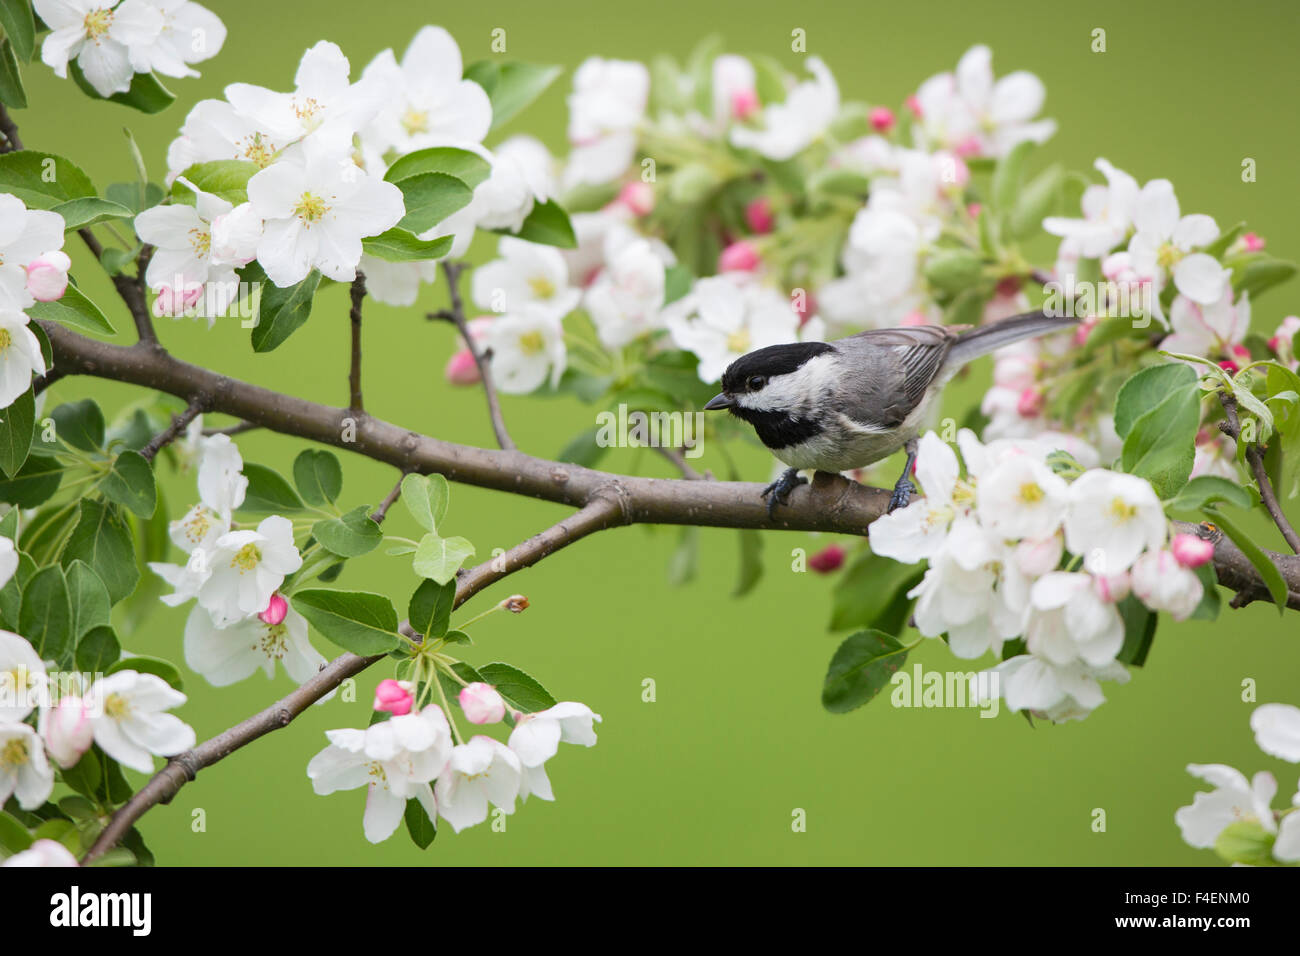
x=895, y=367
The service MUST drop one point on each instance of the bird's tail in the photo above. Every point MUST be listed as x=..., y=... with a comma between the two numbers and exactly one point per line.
x=987, y=338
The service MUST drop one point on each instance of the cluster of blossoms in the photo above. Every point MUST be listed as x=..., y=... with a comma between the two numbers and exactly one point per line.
x=46, y=722
x=110, y=42
x=33, y=268
x=411, y=755
x=1237, y=818
x=240, y=621
x=1018, y=553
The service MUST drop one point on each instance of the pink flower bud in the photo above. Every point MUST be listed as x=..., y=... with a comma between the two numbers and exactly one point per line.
x=1275, y=342
x=47, y=276
x=67, y=730
x=1191, y=551
x=1112, y=588
x=1240, y=353
x=395, y=697
x=913, y=104
x=638, y=197
x=1085, y=329
x=481, y=703
x=172, y=301
x=1030, y=403
x=275, y=611
x=970, y=146
x=1036, y=558
x=758, y=214
x=462, y=369
x=973, y=210
x=1229, y=366
x=882, y=119
x=827, y=559
x=744, y=103
x=738, y=257
x=1252, y=242
x=915, y=317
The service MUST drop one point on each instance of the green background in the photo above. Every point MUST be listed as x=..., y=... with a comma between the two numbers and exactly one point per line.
x=712, y=771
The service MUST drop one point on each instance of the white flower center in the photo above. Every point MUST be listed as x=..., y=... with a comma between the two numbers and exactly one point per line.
x=1121, y=510
x=200, y=242
x=311, y=208
x=246, y=558
x=273, y=643
x=532, y=343
x=739, y=341
x=256, y=149
x=415, y=121
x=97, y=23
x=116, y=706
x=14, y=753
x=542, y=287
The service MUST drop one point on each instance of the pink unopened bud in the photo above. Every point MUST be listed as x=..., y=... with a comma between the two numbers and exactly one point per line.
x=827, y=559
x=1240, y=353
x=481, y=703
x=1084, y=329
x=744, y=103
x=638, y=197
x=1229, y=366
x=275, y=611
x=67, y=730
x=394, y=696
x=462, y=369
x=758, y=215
x=968, y=147
x=973, y=210
x=1030, y=403
x=913, y=104
x=1191, y=551
x=172, y=301
x=882, y=119
x=915, y=317
x=47, y=276
x=1112, y=587
x=1253, y=242
x=1275, y=343
x=738, y=257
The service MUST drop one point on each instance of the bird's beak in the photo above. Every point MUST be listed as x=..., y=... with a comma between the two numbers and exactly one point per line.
x=718, y=401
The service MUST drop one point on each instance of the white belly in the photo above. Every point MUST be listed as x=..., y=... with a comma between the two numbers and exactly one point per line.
x=850, y=445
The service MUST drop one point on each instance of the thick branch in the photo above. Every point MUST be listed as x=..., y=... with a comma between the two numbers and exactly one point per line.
x=354, y=375
x=1232, y=428
x=605, y=509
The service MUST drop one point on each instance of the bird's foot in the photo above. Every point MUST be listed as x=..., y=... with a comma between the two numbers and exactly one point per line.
x=902, y=494
x=778, y=492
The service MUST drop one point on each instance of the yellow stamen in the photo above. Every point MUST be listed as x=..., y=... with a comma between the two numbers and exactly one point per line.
x=1121, y=510
x=200, y=242
x=97, y=23
x=14, y=754
x=739, y=341
x=1030, y=493
x=310, y=208
x=116, y=706
x=247, y=558
x=415, y=121
x=6, y=340
x=532, y=343
x=542, y=287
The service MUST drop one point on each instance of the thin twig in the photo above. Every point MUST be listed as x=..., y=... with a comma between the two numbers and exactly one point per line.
x=602, y=512
x=171, y=432
x=381, y=512
x=456, y=315
x=45, y=381
x=131, y=289
x=231, y=430
x=354, y=374
x=678, y=460
x=1232, y=428
x=9, y=129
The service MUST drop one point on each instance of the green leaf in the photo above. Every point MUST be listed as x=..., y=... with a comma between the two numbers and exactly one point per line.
x=418, y=824
x=358, y=621
x=75, y=311
x=42, y=180
x=583, y=449
x=1139, y=631
x=85, y=775
x=440, y=558
x=45, y=618
x=1267, y=569
x=135, y=196
x=225, y=178
x=34, y=483
x=1261, y=275
x=80, y=424
x=518, y=688
x=103, y=540
x=144, y=664
x=1147, y=389
x=516, y=86
x=1161, y=444
x=953, y=270
x=17, y=425
x=99, y=650
x=1246, y=841
x=1208, y=609
x=12, y=92
x=1036, y=201
x=9, y=525
x=282, y=311
x=1204, y=489
x=677, y=283
x=42, y=535
x=457, y=637
x=401, y=245
x=860, y=669
x=268, y=491
x=88, y=597
x=470, y=168
x=751, y=562
x=131, y=484
x=147, y=94
x=429, y=610
x=350, y=535
x=19, y=27
x=684, y=563
x=318, y=475
x=1008, y=174
x=867, y=589
x=89, y=210
x=548, y=225
x=426, y=497
x=14, y=837
x=430, y=198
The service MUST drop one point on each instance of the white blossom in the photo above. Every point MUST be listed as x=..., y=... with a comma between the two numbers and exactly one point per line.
x=24, y=772
x=103, y=36
x=724, y=317
x=1233, y=799
x=133, y=727
x=224, y=655
x=787, y=128
x=246, y=568
x=1111, y=519
x=479, y=771
x=1277, y=730
x=527, y=350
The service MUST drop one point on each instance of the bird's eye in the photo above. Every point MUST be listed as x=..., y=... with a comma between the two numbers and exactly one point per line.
x=755, y=382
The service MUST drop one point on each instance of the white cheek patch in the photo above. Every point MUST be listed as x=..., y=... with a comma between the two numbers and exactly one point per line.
x=795, y=391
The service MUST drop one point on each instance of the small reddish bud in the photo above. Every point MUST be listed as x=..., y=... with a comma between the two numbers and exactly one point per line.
x=827, y=559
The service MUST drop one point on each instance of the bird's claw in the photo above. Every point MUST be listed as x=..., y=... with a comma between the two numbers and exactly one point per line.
x=778, y=492
x=902, y=494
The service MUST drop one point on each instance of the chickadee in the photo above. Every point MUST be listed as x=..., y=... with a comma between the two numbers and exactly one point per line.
x=836, y=406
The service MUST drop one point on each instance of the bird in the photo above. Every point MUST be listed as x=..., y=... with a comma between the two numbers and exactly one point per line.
x=845, y=404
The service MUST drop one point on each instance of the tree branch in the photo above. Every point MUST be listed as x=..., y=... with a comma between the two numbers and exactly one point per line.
x=1232, y=428
x=354, y=375
x=456, y=315
x=131, y=289
x=604, y=510
x=168, y=435
x=381, y=512
x=9, y=129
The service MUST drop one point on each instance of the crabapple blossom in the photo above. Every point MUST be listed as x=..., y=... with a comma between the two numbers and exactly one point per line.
x=68, y=729
x=1111, y=519
x=190, y=34
x=481, y=703
x=723, y=318
x=1277, y=730
x=1070, y=622
x=133, y=727
x=462, y=369
x=394, y=696
x=27, y=238
x=20, y=355
x=225, y=655
x=106, y=39
x=1022, y=498
x=47, y=276
x=246, y=568
x=1162, y=583
x=626, y=300
x=1164, y=242
x=740, y=256
x=881, y=118
x=527, y=275
x=1056, y=692
x=1191, y=551
x=43, y=852
x=521, y=177
x=734, y=92
x=22, y=677
x=527, y=350
x=787, y=128
x=1283, y=341
x=477, y=772
x=920, y=530
x=276, y=610
x=1233, y=799
x=608, y=101
x=637, y=197
x=759, y=217
x=1107, y=214
x=24, y=772
x=828, y=559
x=1209, y=330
